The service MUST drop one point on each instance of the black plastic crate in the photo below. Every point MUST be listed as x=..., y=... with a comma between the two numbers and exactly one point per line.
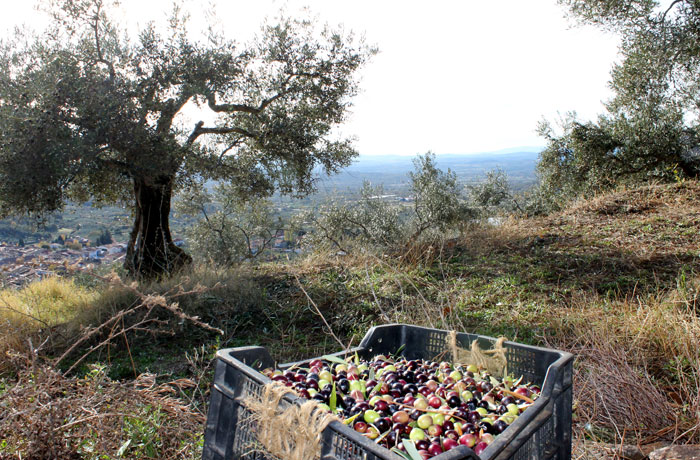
x=542, y=432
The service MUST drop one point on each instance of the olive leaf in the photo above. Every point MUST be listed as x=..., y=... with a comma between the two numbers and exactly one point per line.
x=333, y=359
x=411, y=450
x=333, y=400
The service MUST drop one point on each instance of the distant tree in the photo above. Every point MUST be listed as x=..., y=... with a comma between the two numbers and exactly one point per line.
x=105, y=237
x=370, y=220
x=229, y=230
x=88, y=113
x=438, y=201
x=494, y=193
x=650, y=129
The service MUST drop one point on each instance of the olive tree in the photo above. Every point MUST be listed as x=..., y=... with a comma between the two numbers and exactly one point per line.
x=650, y=127
x=438, y=203
x=368, y=221
x=494, y=193
x=229, y=230
x=89, y=113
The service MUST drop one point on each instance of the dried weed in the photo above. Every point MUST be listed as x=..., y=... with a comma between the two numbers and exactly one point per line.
x=46, y=415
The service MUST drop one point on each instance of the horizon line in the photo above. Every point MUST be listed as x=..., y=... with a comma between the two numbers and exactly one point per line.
x=529, y=148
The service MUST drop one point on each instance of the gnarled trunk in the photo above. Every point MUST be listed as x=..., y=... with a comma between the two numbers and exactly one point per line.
x=151, y=251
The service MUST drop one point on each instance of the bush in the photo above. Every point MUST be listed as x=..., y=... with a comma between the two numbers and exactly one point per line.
x=370, y=221
x=74, y=245
x=104, y=238
x=494, y=195
x=229, y=231
x=438, y=201
x=437, y=204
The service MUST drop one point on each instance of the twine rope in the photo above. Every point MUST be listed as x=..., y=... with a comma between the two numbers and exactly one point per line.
x=291, y=434
x=493, y=360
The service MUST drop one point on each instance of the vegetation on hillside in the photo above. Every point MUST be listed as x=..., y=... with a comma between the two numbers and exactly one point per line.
x=625, y=262
x=601, y=258
x=649, y=130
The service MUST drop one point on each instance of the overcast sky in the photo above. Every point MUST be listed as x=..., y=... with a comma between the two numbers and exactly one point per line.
x=455, y=76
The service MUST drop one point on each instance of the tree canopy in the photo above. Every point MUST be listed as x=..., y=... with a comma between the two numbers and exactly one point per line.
x=650, y=127
x=89, y=113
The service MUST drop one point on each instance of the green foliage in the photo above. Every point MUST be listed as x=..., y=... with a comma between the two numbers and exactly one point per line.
x=370, y=221
x=649, y=130
x=88, y=112
x=142, y=433
x=104, y=238
x=438, y=203
x=494, y=194
x=229, y=230
x=78, y=105
x=586, y=157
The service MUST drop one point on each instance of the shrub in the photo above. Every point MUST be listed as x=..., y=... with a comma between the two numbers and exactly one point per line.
x=74, y=245
x=437, y=205
x=370, y=221
x=229, y=230
x=494, y=195
x=438, y=202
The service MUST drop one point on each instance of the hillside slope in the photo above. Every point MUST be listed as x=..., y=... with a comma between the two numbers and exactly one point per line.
x=613, y=279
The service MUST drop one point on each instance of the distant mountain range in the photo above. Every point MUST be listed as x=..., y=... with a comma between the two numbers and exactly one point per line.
x=392, y=170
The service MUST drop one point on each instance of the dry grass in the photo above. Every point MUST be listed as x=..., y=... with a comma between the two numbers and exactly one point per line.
x=48, y=310
x=613, y=279
x=48, y=416
x=610, y=279
x=638, y=364
x=645, y=223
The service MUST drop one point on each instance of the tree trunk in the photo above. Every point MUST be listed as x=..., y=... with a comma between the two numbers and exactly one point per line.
x=151, y=251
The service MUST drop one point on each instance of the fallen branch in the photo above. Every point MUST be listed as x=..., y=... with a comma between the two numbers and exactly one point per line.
x=145, y=305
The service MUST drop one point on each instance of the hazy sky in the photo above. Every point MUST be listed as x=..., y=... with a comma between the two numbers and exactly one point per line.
x=452, y=76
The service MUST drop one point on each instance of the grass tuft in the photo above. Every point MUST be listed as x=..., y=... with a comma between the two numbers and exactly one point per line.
x=50, y=309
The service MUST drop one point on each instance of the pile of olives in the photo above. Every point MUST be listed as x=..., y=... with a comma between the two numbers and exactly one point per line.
x=433, y=406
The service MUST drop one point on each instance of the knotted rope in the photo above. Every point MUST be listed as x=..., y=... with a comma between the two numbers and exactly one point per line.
x=493, y=360
x=290, y=434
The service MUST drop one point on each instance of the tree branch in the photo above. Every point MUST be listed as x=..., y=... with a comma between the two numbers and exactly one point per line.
x=98, y=47
x=229, y=108
x=233, y=145
x=170, y=109
x=670, y=7
x=199, y=129
x=265, y=243
x=211, y=102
